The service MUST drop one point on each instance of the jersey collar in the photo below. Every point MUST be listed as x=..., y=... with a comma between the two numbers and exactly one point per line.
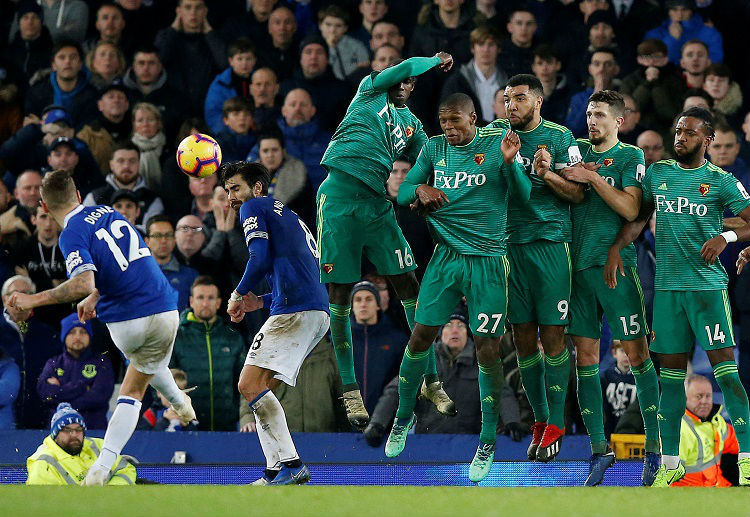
x=71, y=214
x=606, y=150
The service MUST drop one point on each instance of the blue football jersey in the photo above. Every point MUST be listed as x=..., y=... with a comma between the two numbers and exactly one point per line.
x=294, y=274
x=129, y=280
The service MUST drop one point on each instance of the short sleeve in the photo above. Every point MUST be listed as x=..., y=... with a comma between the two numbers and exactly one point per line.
x=648, y=193
x=634, y=170
x=75, y=247
x=567, y=152
x=253, y=220
x=733, y=194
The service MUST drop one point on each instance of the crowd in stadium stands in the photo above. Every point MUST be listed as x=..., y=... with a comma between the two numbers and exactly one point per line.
x=109, y=88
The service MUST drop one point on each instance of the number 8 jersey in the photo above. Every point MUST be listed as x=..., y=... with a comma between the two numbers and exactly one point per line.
x=129, y=280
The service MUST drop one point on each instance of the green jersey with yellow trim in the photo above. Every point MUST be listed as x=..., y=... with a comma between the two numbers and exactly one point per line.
x=373, y=134
x=474, y=178
x=595, y=224
x=690, y=207
x=545, y=216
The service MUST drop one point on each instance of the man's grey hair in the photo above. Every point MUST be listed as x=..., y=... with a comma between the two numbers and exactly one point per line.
x=16, y=278
x=695, y=377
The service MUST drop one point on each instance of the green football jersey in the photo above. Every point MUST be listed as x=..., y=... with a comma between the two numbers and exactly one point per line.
x=689, y=207
x=373, y=135
x=545, y=216
x=474, y=178
x=595, y=224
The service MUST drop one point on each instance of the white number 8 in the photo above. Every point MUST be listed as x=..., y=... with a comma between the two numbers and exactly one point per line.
x=562, y=306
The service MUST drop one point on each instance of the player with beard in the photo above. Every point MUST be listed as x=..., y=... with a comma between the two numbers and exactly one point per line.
x=612, y=175
x=66, y=454
x=690, y=301
x=355, y=215
x=540, y=267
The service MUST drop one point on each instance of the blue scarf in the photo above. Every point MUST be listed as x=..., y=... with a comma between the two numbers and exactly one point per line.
x=65, y=99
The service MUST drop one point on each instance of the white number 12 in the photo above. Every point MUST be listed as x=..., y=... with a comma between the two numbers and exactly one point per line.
x=134, y=252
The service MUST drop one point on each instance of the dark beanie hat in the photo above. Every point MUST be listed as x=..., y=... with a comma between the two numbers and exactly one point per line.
x=29, y=6
x=313, y=39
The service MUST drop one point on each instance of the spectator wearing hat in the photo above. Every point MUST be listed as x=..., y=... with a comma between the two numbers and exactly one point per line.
x=10, y=383
x=378, y=344
x=656, y=86
x=67, y=86
x=66, y=455
x=234, y=81
x=124, y=165
x=111, y=125
x=30, y=47
x=30, y=342
x=191, y=49
x=79, y=376
x=682, y=25
x=315, y=76
x=281, y=55
x=600, y=34
x=126, y=202
x=63, y=153
x=15, y=223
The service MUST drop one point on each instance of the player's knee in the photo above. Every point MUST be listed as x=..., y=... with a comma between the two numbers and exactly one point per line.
x=406, y=285
x=637, y=351
x=422, y=337
x=488, y=350
x=585, y=357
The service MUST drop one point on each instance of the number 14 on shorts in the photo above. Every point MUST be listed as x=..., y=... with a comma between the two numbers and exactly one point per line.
x=718, y=335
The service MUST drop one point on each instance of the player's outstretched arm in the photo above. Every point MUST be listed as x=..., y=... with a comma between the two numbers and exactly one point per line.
x=565, y=189
x=411, y=67
x=518, y=182
x=626, y=202
x=80, y=286
x=627, y=234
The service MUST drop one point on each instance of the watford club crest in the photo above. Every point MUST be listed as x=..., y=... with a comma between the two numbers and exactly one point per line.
x=479, y=158
x=541, y=146
x=704, y=188
x=328, y=267
x=608, y=161
x=409, y=131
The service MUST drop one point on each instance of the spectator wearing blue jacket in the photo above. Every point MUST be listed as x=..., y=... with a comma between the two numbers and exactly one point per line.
x=378, y=344
x=79, y=376
x=684, y=25
x=237, y=137
x=10, y=383
x=305, y=140
x=160, y=239
x=29, y=342
x=232, y=82
x=603, y=69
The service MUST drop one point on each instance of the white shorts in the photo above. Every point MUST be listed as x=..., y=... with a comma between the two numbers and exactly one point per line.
x=285, y=340
x=147, y=342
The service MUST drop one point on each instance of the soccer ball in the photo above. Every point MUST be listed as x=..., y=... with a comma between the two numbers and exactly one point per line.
x=198, y=155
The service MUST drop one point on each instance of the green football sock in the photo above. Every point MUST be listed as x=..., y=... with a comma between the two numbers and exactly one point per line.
x=341, y=335
x=671, y=409
x=532, y=376
x=410, y=309
x=735, y=400
x=590, y=402
x=557, y=374
x=409, y=380
x=490, y=390
x=647, y=386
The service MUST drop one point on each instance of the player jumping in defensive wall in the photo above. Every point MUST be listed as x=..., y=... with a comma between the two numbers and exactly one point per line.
x=282, y=249
x=474, y=172
x=613, y=172
x=354, y=215
x=112, y=269
x=689, y=195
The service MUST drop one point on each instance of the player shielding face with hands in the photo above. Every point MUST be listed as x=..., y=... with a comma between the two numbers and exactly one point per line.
x=689, y=195
x=112, y=269
x=283, y=250
x=474, y=172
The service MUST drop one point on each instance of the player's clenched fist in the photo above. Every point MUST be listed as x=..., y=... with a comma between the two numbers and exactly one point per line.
x=431, y=198
x=510, y=146
x=446, y=61
x=542, y=162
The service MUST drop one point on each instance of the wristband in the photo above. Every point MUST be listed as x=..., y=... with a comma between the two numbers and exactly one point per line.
x=235, y=297
x=729, y=236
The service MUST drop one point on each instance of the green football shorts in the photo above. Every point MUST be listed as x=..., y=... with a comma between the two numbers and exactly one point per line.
x=353, y=219
x=539, y=282
x=681, y=317
x=623, y=305
x=450, y=276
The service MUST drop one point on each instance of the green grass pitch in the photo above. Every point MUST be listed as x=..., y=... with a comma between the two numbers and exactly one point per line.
x=376, y=501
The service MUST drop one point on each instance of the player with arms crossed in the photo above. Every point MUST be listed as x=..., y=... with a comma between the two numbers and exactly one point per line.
x=689, y=195
x=354, y=214
x=474, y=172
x=282, y=249
x=540, y=274
x=613, y=175
x=111, y=268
